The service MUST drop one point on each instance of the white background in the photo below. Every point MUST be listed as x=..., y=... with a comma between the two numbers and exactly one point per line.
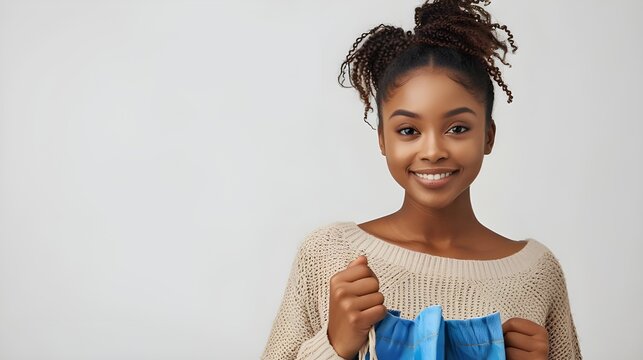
x=160, y=161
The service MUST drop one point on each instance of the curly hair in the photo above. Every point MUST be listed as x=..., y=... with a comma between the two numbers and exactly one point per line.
x=453, y=34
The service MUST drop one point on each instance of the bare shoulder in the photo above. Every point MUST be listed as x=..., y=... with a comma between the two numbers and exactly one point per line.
x=375, y=226
x=498, y=246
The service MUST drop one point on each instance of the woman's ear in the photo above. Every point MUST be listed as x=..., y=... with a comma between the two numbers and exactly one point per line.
x=490, y=137
x=380, y=139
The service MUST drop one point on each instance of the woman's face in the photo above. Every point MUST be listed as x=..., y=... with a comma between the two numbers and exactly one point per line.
x=433, y=125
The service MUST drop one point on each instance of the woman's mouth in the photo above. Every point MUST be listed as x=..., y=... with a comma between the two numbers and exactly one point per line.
x=434, y=180
x=434, y=176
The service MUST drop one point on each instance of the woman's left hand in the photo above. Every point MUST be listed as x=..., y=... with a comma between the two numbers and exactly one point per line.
x=525, y=340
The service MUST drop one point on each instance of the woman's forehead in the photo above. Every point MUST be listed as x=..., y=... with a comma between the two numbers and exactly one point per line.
x=430, y=90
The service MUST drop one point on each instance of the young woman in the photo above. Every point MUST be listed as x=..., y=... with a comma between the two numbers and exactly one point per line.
x=434, y=94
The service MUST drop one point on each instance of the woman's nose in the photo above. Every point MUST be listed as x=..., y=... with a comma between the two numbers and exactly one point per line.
x=433, y=148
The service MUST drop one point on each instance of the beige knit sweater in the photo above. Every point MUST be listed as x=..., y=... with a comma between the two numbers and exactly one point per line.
x=528, y=284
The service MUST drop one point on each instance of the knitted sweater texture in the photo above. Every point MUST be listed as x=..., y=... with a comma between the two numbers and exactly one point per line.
x=528, y=284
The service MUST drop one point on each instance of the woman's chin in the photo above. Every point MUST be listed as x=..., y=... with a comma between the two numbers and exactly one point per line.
x=434, y=200
x=430, y=202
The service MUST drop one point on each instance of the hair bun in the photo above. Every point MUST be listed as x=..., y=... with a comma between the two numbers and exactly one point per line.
x=431, y=11
x=463, y=24
x=467, y=27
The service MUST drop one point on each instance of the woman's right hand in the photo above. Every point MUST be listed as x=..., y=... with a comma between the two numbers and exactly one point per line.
x=355, y=305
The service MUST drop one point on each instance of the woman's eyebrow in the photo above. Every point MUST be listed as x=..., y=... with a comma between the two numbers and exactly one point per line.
x=447, y=114
x=404, y=113
x=457, y=111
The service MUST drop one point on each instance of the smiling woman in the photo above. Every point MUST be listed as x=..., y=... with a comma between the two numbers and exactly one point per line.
x=443, y=134
x=434, y=94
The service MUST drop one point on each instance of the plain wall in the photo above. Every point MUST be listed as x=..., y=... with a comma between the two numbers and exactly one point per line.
x=160, y=162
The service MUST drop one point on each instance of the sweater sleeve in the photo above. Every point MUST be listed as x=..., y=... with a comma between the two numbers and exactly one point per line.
x=296, y=332
x=563, y=339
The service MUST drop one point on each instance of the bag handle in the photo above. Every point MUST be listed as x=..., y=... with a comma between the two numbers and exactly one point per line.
x=369, y=346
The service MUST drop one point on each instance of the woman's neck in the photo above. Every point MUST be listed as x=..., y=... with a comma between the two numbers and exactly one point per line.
x=444, y=228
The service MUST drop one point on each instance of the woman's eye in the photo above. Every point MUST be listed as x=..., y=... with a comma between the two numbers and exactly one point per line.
x=458, y=129
x=404, y=132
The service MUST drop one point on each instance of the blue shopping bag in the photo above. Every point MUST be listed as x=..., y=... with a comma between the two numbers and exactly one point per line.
x=431, y=337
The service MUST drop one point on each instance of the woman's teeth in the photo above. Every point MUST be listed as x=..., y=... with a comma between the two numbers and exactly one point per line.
x=434, y=176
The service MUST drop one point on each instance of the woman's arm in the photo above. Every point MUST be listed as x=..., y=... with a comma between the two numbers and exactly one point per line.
x=563, y=340
x=297, y=331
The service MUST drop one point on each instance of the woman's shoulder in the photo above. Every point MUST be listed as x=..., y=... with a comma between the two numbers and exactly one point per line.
x=327, y=239
x=323, y=252
x=325, y=233
x=547, y=262
x=535, y=257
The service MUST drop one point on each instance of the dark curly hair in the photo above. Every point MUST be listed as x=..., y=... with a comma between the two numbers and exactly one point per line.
x=453, y=34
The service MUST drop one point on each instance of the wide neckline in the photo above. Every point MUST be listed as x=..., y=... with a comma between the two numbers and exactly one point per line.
x=421, y=262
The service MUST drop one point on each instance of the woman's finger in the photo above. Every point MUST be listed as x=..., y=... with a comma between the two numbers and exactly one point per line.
x=368, y=301
x=372, y=315
x=352, y=273
x=365, y=286
x=521, y=341
x=516, y=354
x=523, y=326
